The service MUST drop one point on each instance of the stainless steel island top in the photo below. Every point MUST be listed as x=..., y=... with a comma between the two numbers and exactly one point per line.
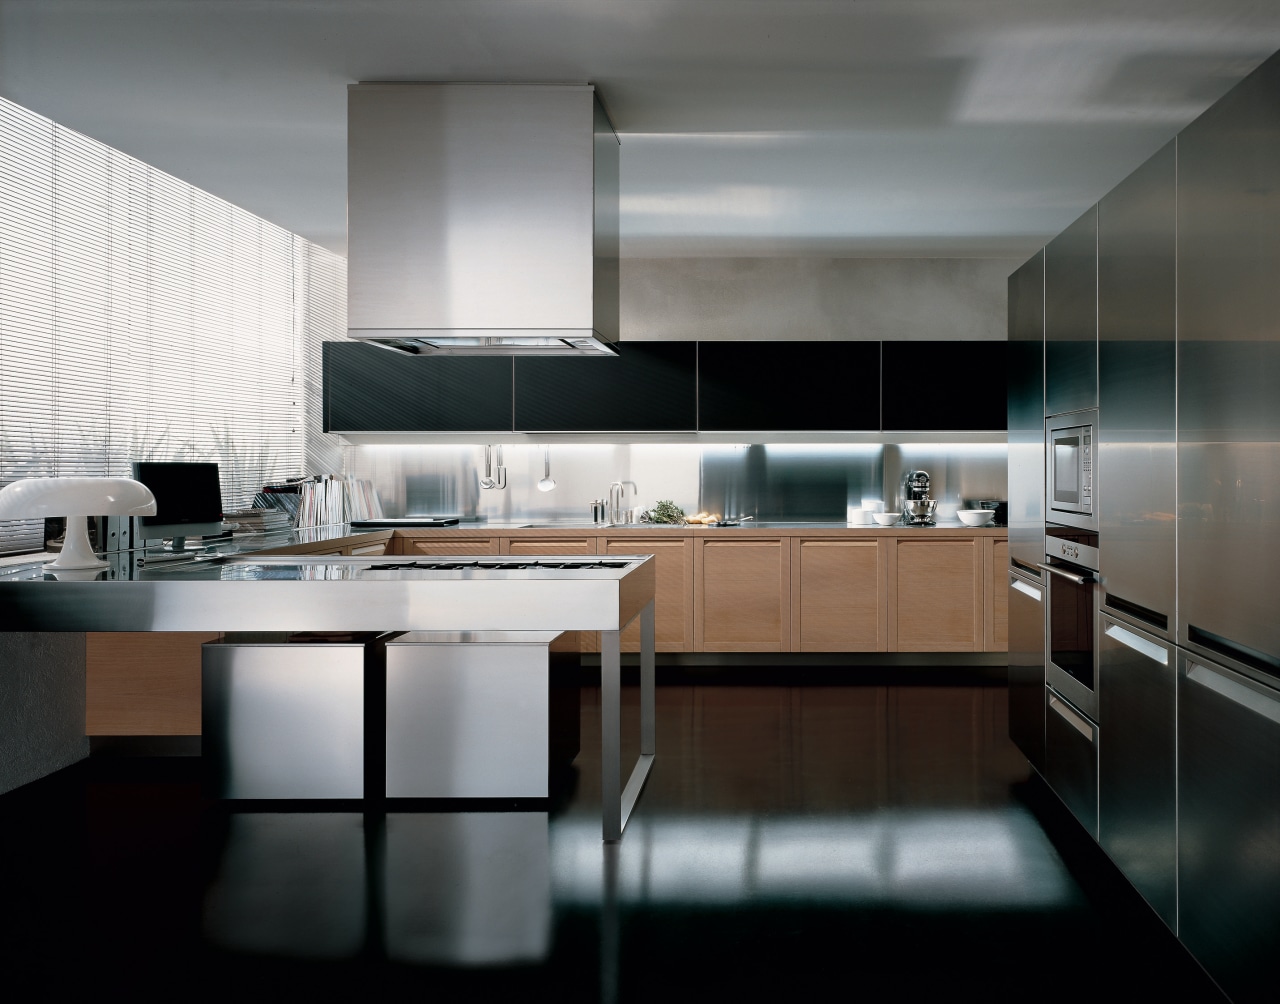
x=293, y=593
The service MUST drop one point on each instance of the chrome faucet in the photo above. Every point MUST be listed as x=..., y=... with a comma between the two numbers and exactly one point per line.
x=617, y=493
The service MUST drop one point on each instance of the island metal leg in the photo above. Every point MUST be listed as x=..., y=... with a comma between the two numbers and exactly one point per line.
x=619, y=801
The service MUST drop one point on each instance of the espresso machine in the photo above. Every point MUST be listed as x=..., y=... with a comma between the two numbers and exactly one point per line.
x=917, y=507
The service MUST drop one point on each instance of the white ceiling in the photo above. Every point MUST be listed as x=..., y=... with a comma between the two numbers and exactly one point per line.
x=748, y=127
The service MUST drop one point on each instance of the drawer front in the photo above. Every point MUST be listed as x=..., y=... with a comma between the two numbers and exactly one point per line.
x=1071, y=759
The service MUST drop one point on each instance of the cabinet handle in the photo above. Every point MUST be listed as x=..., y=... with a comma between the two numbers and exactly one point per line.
x=1071, y=718
x=1154, y=652
x=1079, y=580
x=1025, y=589
x=1238, y=693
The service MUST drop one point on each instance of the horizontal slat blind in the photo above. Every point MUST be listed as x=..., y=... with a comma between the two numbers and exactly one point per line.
x=144, y=319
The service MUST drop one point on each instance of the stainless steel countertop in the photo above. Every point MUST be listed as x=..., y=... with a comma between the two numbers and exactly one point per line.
x=296, y=593
x=478, y=527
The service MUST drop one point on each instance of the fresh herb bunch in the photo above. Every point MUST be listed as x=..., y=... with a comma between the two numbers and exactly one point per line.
x=666, y=511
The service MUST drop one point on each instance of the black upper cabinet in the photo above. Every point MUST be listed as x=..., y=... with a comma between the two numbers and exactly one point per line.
x=945, y=386
x=787, y=386
x=372, y=389
x=647, y=387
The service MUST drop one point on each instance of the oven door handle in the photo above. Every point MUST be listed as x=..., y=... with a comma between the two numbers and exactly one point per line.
x=1079, y=580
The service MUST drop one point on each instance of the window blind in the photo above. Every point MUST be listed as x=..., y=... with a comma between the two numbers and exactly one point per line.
x=144, y=319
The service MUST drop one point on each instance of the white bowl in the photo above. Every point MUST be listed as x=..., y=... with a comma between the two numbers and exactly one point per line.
x=886, y=518
x=975, y=517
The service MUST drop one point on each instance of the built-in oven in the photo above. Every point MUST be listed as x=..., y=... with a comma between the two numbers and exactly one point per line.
x=1070, y=498
x=1071, y=619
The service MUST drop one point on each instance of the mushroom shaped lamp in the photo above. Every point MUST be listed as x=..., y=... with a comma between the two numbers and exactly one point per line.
x=77, y=499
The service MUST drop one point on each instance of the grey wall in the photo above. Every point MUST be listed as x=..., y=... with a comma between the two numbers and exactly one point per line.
x=41, y=705
x=892, y=299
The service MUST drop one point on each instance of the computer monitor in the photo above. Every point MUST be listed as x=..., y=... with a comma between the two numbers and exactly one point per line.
x=188, y=500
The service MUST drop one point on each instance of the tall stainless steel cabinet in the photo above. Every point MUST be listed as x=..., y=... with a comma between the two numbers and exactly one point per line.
x=1137, y=769
x=1071, y=317
x=1026, y=509
x=1026, y=667
x=1229, y=536
x=1136, y=462
x=1136, y=475
x=1228, y=375
x=1026, y=416
x=1229, y=826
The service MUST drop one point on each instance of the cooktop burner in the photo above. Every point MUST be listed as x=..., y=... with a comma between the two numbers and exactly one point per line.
x=454, y=566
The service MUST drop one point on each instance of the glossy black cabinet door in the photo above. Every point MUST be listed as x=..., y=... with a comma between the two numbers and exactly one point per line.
x=647, y=387
x=945, y=386
x=786, y=386
x=372, y=389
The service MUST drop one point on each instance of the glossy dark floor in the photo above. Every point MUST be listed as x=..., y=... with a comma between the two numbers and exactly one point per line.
x=794, y=841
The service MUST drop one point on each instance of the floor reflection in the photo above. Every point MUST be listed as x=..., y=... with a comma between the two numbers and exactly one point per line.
x=999, y=859
x=797, y=841
x=467, y=888
x=454, y=888
x=290, y=885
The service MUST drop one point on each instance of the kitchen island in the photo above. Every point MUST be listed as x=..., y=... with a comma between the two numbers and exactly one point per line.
x=327, y=593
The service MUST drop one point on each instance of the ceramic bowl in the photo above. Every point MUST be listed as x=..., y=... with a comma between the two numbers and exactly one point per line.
x=975, y=517
x=886, y=518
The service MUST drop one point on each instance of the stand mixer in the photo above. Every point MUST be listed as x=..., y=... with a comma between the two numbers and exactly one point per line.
x=917, y=507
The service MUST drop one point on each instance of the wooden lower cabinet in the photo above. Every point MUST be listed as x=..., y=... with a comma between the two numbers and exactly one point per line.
x=936, y=591
x=925, y=592
x=995, y=571
x=549, y=545
x=673, y=600
x=839, y=595
x=143, y=683
x=742, y=591
x=446, y=545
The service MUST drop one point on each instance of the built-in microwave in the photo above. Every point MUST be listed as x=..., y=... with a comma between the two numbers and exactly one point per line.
x=1070, y=496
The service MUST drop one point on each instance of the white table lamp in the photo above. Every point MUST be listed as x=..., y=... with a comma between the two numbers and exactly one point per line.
x=77, y=499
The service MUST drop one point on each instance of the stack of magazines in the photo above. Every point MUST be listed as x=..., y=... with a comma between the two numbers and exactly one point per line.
x=259, y=520
x=333, y=499
x=285, y=503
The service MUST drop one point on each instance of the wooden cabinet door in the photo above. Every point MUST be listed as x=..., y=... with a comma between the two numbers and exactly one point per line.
x=935, y=596
x=838, y=595
x=550, y=545
x=143, y=683
x=448, y=545
x=742, y=595
x=673, y=589
x=995, y=554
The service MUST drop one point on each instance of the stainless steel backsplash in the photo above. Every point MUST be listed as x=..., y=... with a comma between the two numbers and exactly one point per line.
x=800, y=482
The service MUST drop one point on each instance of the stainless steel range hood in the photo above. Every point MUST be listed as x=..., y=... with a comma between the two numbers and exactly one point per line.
x=482, y=219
